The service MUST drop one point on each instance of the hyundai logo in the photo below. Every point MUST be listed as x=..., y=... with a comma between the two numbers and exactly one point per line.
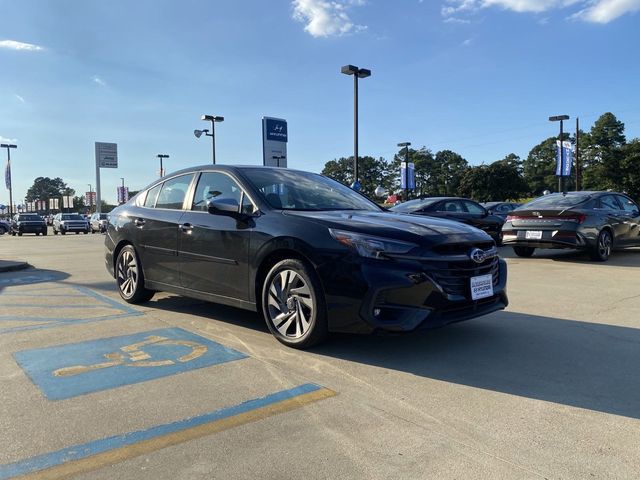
x=477, y=255
x=277, y=128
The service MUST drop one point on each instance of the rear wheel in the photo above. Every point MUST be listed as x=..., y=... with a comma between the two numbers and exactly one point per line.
x=19, y=234
x=293, y=304
x=130, y=278
x=524, y=251
x=44, y=232
x=602, y=250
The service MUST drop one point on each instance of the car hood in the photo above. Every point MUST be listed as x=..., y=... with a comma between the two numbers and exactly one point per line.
x=401, y=226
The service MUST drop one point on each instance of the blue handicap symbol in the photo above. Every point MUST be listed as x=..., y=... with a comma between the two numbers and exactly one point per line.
x=66, y=371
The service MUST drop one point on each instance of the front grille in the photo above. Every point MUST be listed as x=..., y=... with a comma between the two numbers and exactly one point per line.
x=455, y=277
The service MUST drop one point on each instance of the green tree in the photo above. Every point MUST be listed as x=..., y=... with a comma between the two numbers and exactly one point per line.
x=630, y=166
x=601, y=154
x=44, y=188
x=451, y=167
x=372, y=172
x=501, y=180
x=539, y=168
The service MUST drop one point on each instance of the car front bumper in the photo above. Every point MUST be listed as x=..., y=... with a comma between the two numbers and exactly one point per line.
x=366, y=296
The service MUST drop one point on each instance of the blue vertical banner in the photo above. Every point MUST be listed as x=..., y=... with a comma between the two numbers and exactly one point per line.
x=565, y=160
x=7, y=175
x=410, y=178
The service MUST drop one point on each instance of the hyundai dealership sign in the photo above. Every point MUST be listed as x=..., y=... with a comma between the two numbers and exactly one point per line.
x=274, y=142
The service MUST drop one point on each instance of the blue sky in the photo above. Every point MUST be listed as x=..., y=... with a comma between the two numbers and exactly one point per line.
x=479, y=77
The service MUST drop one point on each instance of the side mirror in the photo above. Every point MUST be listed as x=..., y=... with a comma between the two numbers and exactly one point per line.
x=224, y=206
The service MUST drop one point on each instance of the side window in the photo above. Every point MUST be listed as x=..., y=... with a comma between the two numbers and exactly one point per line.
x=173, y=192
x=449, y=206
x=473, y=208
x=608, y=202
x=627, y=205
x=152, y=194
x=247, y=206
x=215, y=185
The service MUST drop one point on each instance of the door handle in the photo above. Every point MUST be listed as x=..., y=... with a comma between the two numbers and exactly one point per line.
x=186, y=227
x=139, y=222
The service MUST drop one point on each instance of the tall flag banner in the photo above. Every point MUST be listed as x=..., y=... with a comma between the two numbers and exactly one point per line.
x=7, y=175
x=564, y=162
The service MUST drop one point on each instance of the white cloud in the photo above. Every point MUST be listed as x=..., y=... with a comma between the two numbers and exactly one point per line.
x=467, y=42
x=20, y=46
x=325, y=18
x=97, y=80
x=19, y=97
x=597, y=11
x=8, y=140
x=605, y=11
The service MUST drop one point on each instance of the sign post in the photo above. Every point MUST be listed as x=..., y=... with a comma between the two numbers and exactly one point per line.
x=274, y=142
x=106, y=157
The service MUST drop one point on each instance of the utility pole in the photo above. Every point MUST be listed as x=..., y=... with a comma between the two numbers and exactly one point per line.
x=577, y=154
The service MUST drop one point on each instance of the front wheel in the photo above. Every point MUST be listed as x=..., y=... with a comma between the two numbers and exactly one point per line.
x=293, y=304
x=525, y=252
x=604, y=244
x=130, y=278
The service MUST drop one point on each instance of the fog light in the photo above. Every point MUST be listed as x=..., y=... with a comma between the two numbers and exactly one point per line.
x=376, y=312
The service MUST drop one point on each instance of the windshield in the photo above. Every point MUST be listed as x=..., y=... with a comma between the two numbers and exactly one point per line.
x=413, y=205
x=29, y=218
x=558, y=200
x=293, y=190
x=72, y=216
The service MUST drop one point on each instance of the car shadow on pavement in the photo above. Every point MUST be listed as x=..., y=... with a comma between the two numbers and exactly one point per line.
x=208, y=310
x=30, y=276
x=569, y=362
x=629, y=257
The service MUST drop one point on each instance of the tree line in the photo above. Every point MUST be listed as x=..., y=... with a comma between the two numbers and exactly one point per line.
x=606, y=161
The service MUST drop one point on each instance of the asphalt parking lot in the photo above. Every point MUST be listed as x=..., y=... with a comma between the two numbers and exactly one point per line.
x=183, y=389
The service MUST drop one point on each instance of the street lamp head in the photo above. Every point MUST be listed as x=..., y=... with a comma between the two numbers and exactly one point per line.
x=364, y=73
x=212, y=118
x=197, y=133
x=404, y=144
x=160, y=155
x=349, y=70
x=8, y=145
x=558, y=118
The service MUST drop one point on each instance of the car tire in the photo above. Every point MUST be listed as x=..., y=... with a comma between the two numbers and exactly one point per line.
x=85, y=232
x=92, y=230
x=19, y=234
x=55, y=232
x=604, y=244
x=293, y=304
x=37, y=234
x=524, y=252
x=63, y=232
x=44, y=232
x=130, y=277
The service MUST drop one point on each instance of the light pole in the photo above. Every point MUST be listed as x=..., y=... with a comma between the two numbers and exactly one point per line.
x=122, y=191
x=357, y=73
x=213, y=119
x=560, y=118
x=90, y=198
x=161, y=156
x=7, y=174
x=277, y=158
x=406, y=168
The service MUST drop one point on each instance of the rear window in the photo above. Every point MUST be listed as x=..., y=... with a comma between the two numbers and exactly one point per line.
x=558, y=200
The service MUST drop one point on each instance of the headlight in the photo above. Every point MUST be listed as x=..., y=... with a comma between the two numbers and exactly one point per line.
x=370, y=246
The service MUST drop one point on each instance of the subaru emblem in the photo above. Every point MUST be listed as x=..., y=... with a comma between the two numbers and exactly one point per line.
x=477, y=255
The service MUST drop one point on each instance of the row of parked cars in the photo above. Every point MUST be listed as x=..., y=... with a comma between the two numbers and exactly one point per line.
x=62, y=223
x=592, y=221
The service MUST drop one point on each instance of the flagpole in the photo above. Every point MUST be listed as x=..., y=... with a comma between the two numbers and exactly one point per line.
x=7, y=175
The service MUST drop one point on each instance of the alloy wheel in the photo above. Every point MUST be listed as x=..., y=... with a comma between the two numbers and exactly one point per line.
x=127, y=273
x=604, y=244
x=290, y=304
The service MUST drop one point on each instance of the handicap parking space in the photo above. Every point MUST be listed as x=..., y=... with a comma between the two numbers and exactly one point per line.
x=89, y=381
